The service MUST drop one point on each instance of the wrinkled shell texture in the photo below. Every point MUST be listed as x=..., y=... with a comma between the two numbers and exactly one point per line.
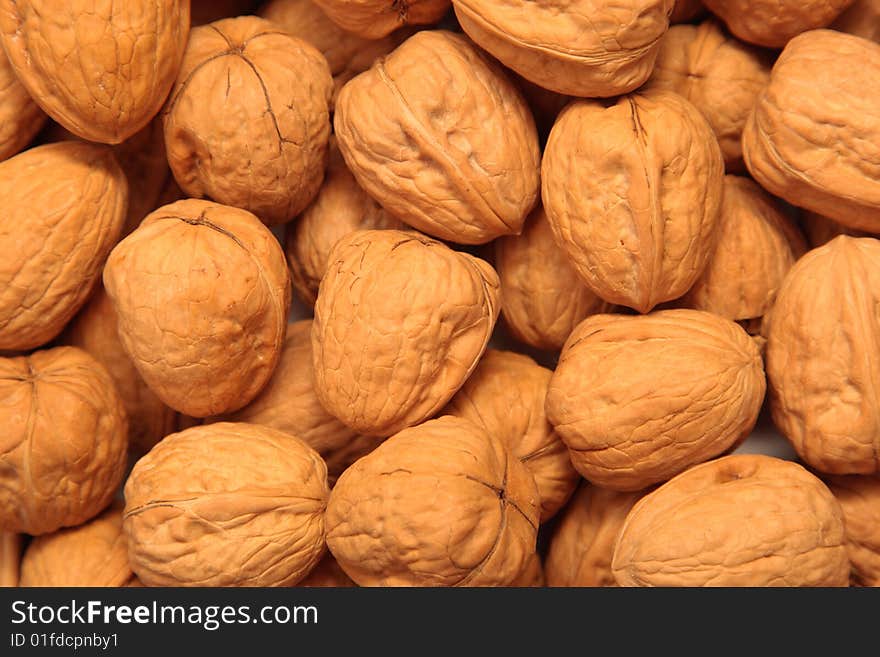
x=101, y=70
x=583, y=542
x=374, y=19
x=20, y=117
x=822, y=357
x=532, y=575
x=639, y=399
x=721, y=76
x=64, y=443
x=247, y=122
x=505, y=396
x=859, y=498
x=813, y=139
x=757, y=245
x=205, y=327
x=862, y=19
x=439, y=136
x=692, y=530
x=10, y=559
x=633, y=192
x=575, y=47
x=542, y=296
x=63, y=210
x=338, y=460
x=400, y=323
x=226, y=504
x=93, y=554
x=441, y=504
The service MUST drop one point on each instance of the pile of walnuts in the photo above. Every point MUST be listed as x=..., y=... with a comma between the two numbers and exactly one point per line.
x=668, y=206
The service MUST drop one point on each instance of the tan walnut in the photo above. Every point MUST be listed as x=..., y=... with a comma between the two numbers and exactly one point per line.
x=811, y=139
x=10, y=559
x=374, y=19
x=742, y=520
x=400, y=323
x=63, y=210
x=340, y=459
x=505, y=396
x=859, y=498
x=638, y=399
x=532, y=575
x=440, y=504
x=822, y=366
x=457, y=158
x=102, y=71
x=576, y=47
x=226, y=504
x=247, y=122
x=64, y=440
x=633, y=192
x=20, y=117
x=861, y=19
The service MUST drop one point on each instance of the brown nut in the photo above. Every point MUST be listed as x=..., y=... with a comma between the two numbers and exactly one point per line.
x=821, y=361
x=773, y=23
x=859, y=498
x=861, y=19
x=328, y=573
x=440, y=504
x=226, y=504
x=757, y=245
x=400, y=323
x=638, y=399
x=583, y=542
x=10, y=559
x=812, y=140
x=93, y=554
x=686, y=10
x=721, y=76
x=247, y=122
x=505, y=397
x=64, y=440
x=340, y=459
x=374, y=19
x=101, y=71
x=20, y=117
x=63, y=210
x=633, y=192
x=574, y=47
x=457, y=158
x=820, y=230
x=742, y=520
x=204, y=327
x=532, y=575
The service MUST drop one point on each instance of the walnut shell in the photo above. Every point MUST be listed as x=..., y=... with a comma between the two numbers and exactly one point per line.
x=400, y=323
x=574, y=47
x=457, y=158
x=10, y=559
x=821, y=360
x=374, y=19
x=820, y=230
x=102, y=72
x=859, y=498
x=20, y=117
x=328, y=573
x=686, y=10
x=205, y=327
x=583, y=542
x=861, y=19
x=638, y=399
x=340, y=459
x=633, y=193
x=64, y=442
x=64, y=206
x=691, y=531
x=757, y=245
x=812, y=139
x=93, y=554
x=226, y=504
x=721, y=76
x=505, y=397
x=532, y=575
x=247, y=122
x=773, y=23
x=440, y=504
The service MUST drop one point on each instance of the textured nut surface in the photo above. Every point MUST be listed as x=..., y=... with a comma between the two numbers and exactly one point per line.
x=532, y=575
x=859, y=498
x=576, y=47
x=63, y=209
x=822, y=357
x=204, y=327
x=226, y=504
x=400, y=323
x=338, y=460
x=743, y=520
x=757, y=245
x=439, y=136
x=813, y=139
x=374, y=19
x=102, y=71
x=861, y=19
x=505, y=396
x=639, y=399
x=542, y=296
x=10, y=558
x=20, y=117
x=247, y=122
x=64, y=440
x=328, y=573
x=583, y=542
x=720, y=75
x=633, y=191
x=440, y=504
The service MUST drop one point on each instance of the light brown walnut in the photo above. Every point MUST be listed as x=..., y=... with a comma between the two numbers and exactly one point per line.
x=10, y=559
x=374, y=19
x=859, y=498
x=20, y=117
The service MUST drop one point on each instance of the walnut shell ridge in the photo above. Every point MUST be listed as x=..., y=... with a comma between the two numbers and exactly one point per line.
x=859, y=498
x=20, y=117
x=374, y=19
